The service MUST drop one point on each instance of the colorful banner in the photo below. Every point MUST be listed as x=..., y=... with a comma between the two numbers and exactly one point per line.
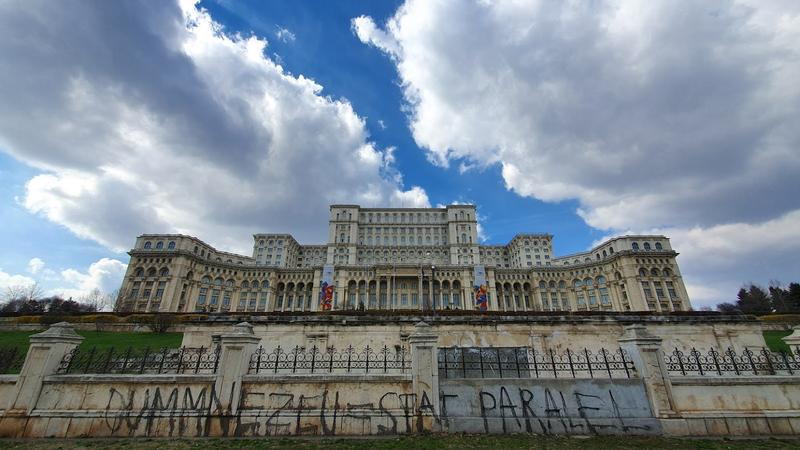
x=326, y=288
x=481, y=289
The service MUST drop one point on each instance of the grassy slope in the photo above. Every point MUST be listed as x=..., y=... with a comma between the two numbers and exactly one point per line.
x=774, y=342
x=102, y=339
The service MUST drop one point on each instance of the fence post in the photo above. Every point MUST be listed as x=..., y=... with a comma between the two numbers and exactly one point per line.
x=236, y=348
x=45, y=353
x=425, y=372
x=644, y=350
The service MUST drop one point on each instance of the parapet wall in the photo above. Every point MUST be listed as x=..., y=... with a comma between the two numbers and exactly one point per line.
x=250, y=386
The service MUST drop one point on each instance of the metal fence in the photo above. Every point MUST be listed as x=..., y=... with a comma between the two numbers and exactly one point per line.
x=729, y=362
x=525, y=362
x=184, y=360
x=11, y=359
x=329, y=360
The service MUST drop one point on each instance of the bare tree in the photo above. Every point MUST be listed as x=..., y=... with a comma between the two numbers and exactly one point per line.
x=101, y=301
x=26, y=292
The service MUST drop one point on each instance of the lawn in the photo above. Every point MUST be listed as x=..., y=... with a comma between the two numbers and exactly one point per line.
x=460, y=442
x=101, y=339
x=774, y=342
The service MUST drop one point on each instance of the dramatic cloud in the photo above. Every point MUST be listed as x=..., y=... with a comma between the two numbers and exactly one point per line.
x=147, y=117
x=104, y=275
x=674, y=115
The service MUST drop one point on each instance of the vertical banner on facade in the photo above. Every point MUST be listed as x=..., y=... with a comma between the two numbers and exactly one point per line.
x=326, y=288
x=481, y=289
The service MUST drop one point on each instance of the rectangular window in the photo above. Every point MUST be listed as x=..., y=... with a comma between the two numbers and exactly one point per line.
x=554, y=300
x=226, y=299
x=242, y=300
x=646, y=288
x=279, y=303
x=517, y=301
x=135, y=290
x=160, y=289
x=445, y=300
x=373, y=299
x=201, y=300
x=592, y=297
x=527, y=301
x=659, y=291
x=404, y=299
x=214, y=297
x=581, y=300
x=564, y=301
x=289, y=301
x=456, y=300
x=604, y=299
x=671, y=290
x=252, y=305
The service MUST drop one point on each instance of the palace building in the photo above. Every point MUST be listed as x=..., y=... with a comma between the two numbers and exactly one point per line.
x=402, y=259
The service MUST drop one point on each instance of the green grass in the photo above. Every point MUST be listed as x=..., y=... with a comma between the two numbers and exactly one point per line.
x=101, y=339
x=774, y=342
x=459, y=442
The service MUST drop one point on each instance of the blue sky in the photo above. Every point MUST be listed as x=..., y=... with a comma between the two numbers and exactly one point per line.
x=231, y=117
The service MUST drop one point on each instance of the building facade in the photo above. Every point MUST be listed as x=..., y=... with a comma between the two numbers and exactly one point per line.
x=402, y=259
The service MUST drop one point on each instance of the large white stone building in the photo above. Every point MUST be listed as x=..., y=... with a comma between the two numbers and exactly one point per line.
x=406, y=259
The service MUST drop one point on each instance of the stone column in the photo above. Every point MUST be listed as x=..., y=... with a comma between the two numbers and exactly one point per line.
x=793, y=340
x=45, y=353
x=644, y=350
x=236, y=348
x=425, y=371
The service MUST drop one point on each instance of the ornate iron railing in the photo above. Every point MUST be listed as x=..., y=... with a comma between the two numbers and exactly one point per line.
x=11, y=359
x=731, y=363
x=329, y=360
x=524, y=362
x=184, y=360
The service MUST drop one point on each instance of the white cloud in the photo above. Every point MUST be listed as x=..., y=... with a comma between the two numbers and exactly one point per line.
x=35, y=265
x=148, y=118
x=284, y=35
x=671, y=115
x=8, y=280
x=105, y=275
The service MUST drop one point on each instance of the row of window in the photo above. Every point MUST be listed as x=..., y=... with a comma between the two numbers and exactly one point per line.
x=159, y=245
x=646, y=246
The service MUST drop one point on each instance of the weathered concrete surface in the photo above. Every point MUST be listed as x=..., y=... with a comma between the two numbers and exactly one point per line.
x=547, y=406
x=558, y=332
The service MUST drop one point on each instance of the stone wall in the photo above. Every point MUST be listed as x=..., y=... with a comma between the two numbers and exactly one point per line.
x=236, y=398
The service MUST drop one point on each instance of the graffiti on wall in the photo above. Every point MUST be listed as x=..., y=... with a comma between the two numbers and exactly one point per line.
x=549, y=407
x=198, y=411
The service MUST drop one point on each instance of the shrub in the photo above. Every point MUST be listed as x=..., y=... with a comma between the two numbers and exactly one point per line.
x=162, y=322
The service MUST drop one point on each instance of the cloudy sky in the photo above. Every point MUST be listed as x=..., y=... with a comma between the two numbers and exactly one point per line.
x=224, y=118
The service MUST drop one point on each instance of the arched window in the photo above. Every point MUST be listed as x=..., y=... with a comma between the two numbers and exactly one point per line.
x=206, y=279
x=604, y=254
x=654, y=272
x=658, y=246
x=148, y=244
x=195, y=249
x=588, y=282
x=171, y=245
x=265, y=284
x=229, y=283
x=542, y=285
x=245, y=285
x=647, y=246
x=139, y=272
x=159, y=245
x=635, y=246
x=164, y=272
x=463, y=238
x=667, y=273
x=642, y=273
x=562, y=284
x=577, y=284
x=151, y=272
x=601, y=280
x=552, y=285
x=218, y=281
